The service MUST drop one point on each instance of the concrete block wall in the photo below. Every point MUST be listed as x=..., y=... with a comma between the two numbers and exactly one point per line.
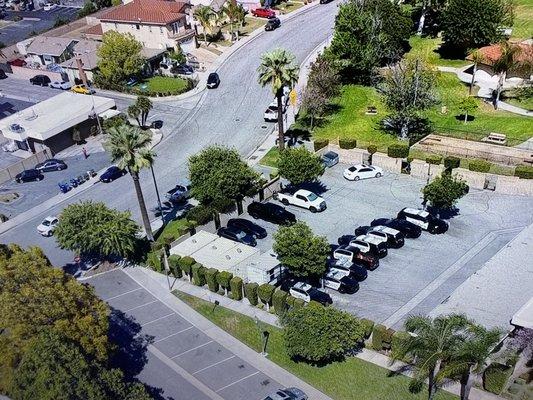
x=9, y=173
x=387, y=163
x=476, y=180
x=351, y=156
x=514, y=185
x=27, y=73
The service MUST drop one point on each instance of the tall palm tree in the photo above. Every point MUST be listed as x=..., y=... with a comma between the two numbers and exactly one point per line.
x=204, y=14
x=278, y=70
x=145, y=105
x=434, y=342
x=477, y=57
x=134, y=112
x=508, y=60
x=128, y=146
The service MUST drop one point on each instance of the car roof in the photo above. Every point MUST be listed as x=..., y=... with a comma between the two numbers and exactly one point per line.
x=302, y=285
x=304, y=192
x=49, y=218
x=330, y=154
x=386, y=229
x=369, y=239
x=334, y=274
x=416, y=211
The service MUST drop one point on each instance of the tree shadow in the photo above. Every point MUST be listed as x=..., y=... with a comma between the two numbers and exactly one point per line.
x=316, y=187
x=461, y=117
x=444, y=213
x=448, y=52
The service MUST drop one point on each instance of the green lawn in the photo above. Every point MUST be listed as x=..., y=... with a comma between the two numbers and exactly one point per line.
x=289, y=6
x=426, y=48
x=523, y=20
x=173, y=228
x=351, y=379
x=250, y=25
x=271, y=158
x=166, y=84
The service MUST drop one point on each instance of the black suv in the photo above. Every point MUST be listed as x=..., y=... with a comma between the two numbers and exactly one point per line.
x=393, y=237
x=423, y=219
x=41, y=80
x=249, y=227
x=409, y=229
x=237, y=235
x=29, y=175
x=272, y=24
x=271, y=213
x=213, y=80
x=51, y=165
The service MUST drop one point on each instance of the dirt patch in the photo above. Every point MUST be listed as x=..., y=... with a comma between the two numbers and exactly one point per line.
x=7, y=198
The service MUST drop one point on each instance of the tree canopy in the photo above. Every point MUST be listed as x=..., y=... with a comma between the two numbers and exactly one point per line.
x=444, y=191
x=299, y=165
x=90, y=228
x=303, y=253
x=119, y=57
x=219, y=176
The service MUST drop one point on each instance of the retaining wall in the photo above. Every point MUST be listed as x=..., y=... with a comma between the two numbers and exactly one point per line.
x=514, y=185
x=476, y=180
x=351, y=156
x=387, y=163
x=9, y=173
x=422, y=170
x=27, y=73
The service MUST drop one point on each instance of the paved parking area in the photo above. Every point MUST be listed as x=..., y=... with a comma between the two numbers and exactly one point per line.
x=422, y=274
x=181, y=360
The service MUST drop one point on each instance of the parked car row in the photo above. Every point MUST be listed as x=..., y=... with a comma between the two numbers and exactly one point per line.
x=36, y=173
x=44, y=80
x=241, y=230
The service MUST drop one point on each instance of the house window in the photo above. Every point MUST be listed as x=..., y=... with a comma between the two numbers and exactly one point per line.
x=137, y=26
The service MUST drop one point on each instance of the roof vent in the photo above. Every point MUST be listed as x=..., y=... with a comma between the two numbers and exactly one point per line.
x=239, y=251
x=214, y=247
x=228, y=257
x=194, y=241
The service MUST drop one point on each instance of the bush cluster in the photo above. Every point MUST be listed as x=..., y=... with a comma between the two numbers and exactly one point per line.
x=347, y=143
x=186, y=263
x=398, y=151
x=451, y=162
x=251, y=293
x=381, y=337
x=236, y=288
x=495, y=377
x=200, y=214
x=279, y=301
x=223, y=279
x=265, y=292
x=434, y=159
x=320, y=144
x=368, y=327
x=211, y=279
x=174, y=265
x=524, y=171
x=479, y=166
x=372, y=148
x=198, y=274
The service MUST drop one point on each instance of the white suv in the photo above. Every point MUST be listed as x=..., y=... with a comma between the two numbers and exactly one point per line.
x=306, y=292
x=48, y=226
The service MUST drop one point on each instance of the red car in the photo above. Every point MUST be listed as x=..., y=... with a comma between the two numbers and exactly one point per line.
x=263, y=13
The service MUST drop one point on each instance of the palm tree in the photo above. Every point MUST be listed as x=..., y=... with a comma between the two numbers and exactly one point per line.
x=128, y=146
x=433, y=343
x=204, y=14
x=507, y=61
x=278, y=70
x=145, y=105
x=134, y=112
x=477, y=57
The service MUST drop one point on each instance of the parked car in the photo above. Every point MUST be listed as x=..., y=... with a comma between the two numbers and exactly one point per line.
x=348, y=268
x=3, y=74
x=82, y=89
x=237, y=235
x=29, y=175
x=302, y=198
x=272, y=24
x=424, y=220
x=63, y=85
x=330, y=159
x=409, y=229
x=48, y=226
x=325, y=1
x=182, y=69
x=213, y=80
x=370, y=244
x=51, y=165
x=336, y=280
x=362, y=171
x=353, y=254
x=271, y=113
x=291, y=393
x=306, y=292
x=248, y=226
x=395, y=238
x=367, y=230
x=271, y=213
x=179, y=193
x=41, y=80
x=111, y=174
x=49, y=6
x=263, y=13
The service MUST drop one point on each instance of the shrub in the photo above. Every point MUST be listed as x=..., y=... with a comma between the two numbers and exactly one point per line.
x=347, y=143
x=298, y=303
x=265, y=292
x=198, y=274
x=251, y=293
x=451, y=162
x=223, y=279
x=368, y=326
x=320, y=144
x=290, y=301
x=211, y=279
x=399, y=339
x=236, y=288
x=279, y=301
x=185, y=263
x=524, y=171
x=372, y=149
x=398, y=151
x=200, y=214
x=174, y=265
x=434, y=159
x=154, y=262
x=479, y=165
x=495, y=377
x=378, y=335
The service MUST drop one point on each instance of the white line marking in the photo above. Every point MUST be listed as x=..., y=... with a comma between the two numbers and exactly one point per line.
x=240, y=380
x=194, y=348
x=212, y=365
x=118, y=295
x=157, y=319
x=173, y=334
x=142, y=305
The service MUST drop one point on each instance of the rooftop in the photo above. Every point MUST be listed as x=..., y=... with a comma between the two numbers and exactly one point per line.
x=158, y=12
x=493, y=52
x=53, y=46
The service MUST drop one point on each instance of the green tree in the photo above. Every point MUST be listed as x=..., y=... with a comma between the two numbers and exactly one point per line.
x=444, y=191
x=145, y=105
x=235, y=13
x=303, y=253
x=433, y=344
x=324, y=77
x=134, y=112
x=469, y=24
x=467, y=106
x=129, y=148
x=477, y=58
x=320, y=334
x=89, y=228
x=314, y=102
x=299, y=165
x=507, y=61
x=119, y=57
x=278, y=70
x=204, y=15
x=88, y=8
x=178, y=55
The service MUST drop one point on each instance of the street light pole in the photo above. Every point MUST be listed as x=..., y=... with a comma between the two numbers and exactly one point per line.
x=157, y=193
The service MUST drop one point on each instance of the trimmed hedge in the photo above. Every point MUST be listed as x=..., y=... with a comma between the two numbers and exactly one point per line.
x=372, y=149
x=236, y=288
x=174, y=265
x=524, y=171
x=279, y=301
x=211, y=279
x=251, y=293
x=347, y=144
x=185, y=263
x=198, y=274
x=298, y=303
x=398, y=340
x=265, y=292
x=290, y=301
x=434, y=159
x=381, y=337
x=495, y=377
x=479, y=166
x=398, y=151
x=320, y=144
x=368, y=326
x=153, y=260
x=223, y=279
x=451, y=162
x=200, y=214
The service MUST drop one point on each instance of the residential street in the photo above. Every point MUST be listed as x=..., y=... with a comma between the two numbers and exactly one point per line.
x=231, y=115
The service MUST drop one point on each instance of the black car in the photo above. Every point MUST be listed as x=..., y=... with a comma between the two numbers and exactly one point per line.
x=237, y=235
x=249, y=227
x=2, y=74
x=325, y=1
x=356, y=271
x=51, y=165
x=409, y=229
x=183, y=69
x=393, y=238
x=272, y=24
x=423, y=219
x=271, y=213
x=111, y=174
x=29, y=175
x=213, y=80
x=41, y=80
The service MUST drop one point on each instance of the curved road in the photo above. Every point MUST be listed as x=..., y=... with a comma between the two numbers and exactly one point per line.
x=231, y=115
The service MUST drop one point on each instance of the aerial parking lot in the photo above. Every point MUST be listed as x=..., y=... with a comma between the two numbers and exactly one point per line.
x=422, y=274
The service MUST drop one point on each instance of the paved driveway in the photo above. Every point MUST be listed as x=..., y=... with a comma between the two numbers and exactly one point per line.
x=180, y=361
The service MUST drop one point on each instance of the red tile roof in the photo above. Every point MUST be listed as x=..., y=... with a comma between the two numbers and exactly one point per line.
x=95, y=30
x=493, y=52
x=158, y=12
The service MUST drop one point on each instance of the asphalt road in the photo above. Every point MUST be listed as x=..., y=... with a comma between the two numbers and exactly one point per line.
x=231, y=115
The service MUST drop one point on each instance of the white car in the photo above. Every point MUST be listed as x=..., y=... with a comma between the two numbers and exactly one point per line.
x=48, y=226
x=49, y=6
x=302, y=198
x=63, y=85
x=271, y=113
x=362, y=171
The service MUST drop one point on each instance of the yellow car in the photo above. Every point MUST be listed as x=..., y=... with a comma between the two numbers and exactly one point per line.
x=82, y=89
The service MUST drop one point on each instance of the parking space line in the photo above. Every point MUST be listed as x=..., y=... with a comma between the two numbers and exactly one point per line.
x=122, y=294
x=142, y=305
x=158, y=319
x=240, y=380
x=194, y=348
x=174, y=334
x=212, y=365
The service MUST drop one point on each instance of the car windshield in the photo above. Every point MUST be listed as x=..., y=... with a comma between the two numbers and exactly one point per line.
x=352, y=169
x=46, y=222
x=312, y=197
x=241, y=235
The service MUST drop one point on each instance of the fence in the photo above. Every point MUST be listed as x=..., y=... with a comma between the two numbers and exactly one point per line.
x=9, y=173
x=28, y=73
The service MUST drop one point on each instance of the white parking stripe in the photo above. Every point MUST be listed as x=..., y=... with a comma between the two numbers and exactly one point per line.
x=194, y=348
x=212, y=365
x=142, y=305
x=158, y=319
x=122, y=294
x=240, y=380
x=173, y=334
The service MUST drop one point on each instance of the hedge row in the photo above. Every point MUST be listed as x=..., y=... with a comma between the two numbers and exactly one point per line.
x=495, y=377
x=347, y=144
x=451, y=162
x=434, y=159
x=524, y=171
x=398, y=151
x=479, y=166
x=320, y=144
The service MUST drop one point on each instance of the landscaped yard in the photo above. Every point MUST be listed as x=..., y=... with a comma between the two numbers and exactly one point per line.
x=165, y=84
x=523, y=25
x=426, y=49
x=350, y=379
x=271, y=158
x=250, y=25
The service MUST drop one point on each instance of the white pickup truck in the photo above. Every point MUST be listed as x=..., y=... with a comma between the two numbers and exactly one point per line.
x=302, y=198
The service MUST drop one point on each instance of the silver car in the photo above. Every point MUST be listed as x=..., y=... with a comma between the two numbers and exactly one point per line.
x=291, y=393
x=63, y=85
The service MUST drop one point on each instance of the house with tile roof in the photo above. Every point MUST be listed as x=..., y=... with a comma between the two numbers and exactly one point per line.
x=46, y=50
